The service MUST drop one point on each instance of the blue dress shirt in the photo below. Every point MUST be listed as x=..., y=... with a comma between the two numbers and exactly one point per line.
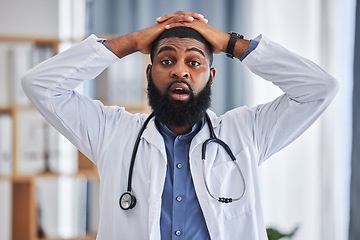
x=181, y=215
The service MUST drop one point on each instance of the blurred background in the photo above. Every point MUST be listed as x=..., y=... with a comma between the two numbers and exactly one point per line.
x=44, y=180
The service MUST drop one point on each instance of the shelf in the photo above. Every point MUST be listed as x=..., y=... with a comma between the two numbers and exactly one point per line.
x=24, y=208
x=89, y=237
x=46, y=41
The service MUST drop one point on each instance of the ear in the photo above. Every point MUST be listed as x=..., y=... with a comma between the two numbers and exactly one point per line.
x=148, y=71
x=212, y=74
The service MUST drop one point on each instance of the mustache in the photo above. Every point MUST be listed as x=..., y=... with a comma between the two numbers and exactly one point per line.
x=173, y=82
x=179, y=81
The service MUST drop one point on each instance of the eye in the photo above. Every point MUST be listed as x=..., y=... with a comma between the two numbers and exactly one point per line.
x=194, y=63
x=166, y=62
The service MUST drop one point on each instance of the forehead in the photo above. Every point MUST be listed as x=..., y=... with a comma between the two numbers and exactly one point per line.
x=181, y=44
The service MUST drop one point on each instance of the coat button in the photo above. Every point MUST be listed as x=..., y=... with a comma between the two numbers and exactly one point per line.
x=179, y=166
x=178, y=233
x=178, y=198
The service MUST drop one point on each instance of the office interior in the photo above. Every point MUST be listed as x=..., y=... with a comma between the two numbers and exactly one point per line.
x=48, y=190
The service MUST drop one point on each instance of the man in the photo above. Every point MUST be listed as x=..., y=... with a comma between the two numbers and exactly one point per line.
x=179, y=195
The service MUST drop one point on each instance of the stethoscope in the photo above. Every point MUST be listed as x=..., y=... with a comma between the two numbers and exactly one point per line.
x=128, y=201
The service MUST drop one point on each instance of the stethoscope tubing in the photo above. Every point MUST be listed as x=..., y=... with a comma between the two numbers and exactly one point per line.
x=136, y=146
x=213, y=138
x=128, y=201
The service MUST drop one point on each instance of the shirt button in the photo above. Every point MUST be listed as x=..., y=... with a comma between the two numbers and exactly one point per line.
x=179, y=166
x=178, y=233
x=179, y=138
x=178, y=198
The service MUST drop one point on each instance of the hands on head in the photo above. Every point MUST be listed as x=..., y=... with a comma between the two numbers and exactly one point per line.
x=215, y=37
x=142, y=40
x=181, y=16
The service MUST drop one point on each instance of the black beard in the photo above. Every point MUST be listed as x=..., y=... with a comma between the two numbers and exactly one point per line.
x=178, y=113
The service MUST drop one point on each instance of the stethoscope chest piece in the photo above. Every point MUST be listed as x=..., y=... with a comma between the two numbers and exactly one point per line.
x=127, y=201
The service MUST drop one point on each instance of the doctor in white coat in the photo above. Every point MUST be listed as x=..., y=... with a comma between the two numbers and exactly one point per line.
x=173, y=193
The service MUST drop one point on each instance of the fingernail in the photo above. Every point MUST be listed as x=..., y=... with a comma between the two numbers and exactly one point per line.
x=167, y=26
x=202, y=16
x=191, y=18
x=158, y=18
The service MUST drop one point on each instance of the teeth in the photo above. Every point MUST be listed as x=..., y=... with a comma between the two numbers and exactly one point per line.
x=178, y=89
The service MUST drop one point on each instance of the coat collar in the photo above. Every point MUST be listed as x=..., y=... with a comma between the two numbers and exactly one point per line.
x=204, y=133
x=152, y=135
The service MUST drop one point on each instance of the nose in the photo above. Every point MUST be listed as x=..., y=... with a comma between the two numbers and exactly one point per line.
x=180, y=71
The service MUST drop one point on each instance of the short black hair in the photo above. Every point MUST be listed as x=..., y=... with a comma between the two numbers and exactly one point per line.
x=182, y=32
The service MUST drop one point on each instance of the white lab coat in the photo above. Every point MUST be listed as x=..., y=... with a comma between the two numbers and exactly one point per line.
x=107, y=135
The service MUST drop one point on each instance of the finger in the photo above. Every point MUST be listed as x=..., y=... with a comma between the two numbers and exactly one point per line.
x=178, y=19
x=196, y=16
x=182, y=19
x=179, y=24
x=167, y=17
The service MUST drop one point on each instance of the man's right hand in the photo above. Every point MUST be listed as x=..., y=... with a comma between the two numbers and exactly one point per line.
x=142, y=40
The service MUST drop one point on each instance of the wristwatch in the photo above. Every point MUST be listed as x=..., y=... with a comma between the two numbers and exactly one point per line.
x=231, y=45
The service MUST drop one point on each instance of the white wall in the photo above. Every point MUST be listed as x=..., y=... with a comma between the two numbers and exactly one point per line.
x=63, y=19
x=307, y=183
x=29, y=18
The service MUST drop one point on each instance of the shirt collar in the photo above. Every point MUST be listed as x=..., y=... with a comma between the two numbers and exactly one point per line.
x=167, y=133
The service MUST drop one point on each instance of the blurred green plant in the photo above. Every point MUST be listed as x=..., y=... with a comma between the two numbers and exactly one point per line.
x=274, y=234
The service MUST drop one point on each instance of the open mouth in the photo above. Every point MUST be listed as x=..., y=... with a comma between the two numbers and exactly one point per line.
x=179, y=91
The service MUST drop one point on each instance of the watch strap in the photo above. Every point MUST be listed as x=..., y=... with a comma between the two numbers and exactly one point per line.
x=231, y=44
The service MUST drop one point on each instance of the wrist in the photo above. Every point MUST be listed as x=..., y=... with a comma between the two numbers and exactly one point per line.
x=230, y=48
x=122, y=45
x=236, y=46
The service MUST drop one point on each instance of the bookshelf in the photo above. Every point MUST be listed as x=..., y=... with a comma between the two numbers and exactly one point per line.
x=25, y=209
x=52, y=42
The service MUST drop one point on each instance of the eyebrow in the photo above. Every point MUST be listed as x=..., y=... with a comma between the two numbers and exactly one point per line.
x=196, y=50
x=168, y=48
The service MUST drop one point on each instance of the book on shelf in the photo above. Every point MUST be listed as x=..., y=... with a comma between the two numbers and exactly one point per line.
x=6, y=141
x=5, y=209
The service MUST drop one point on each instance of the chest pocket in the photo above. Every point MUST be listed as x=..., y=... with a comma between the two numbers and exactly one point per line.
x=231, y=184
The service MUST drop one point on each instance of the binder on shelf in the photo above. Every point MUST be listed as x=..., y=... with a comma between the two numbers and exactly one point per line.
x=16, y=59
x=4, y=73
x=19, y=62
x=123, y=82
x=93, y=210
x=5, y=209
x=59, y=153
x=30, y=144
x=62, y=206
x=40, y=148
x=6, y=141
x=40, y=53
